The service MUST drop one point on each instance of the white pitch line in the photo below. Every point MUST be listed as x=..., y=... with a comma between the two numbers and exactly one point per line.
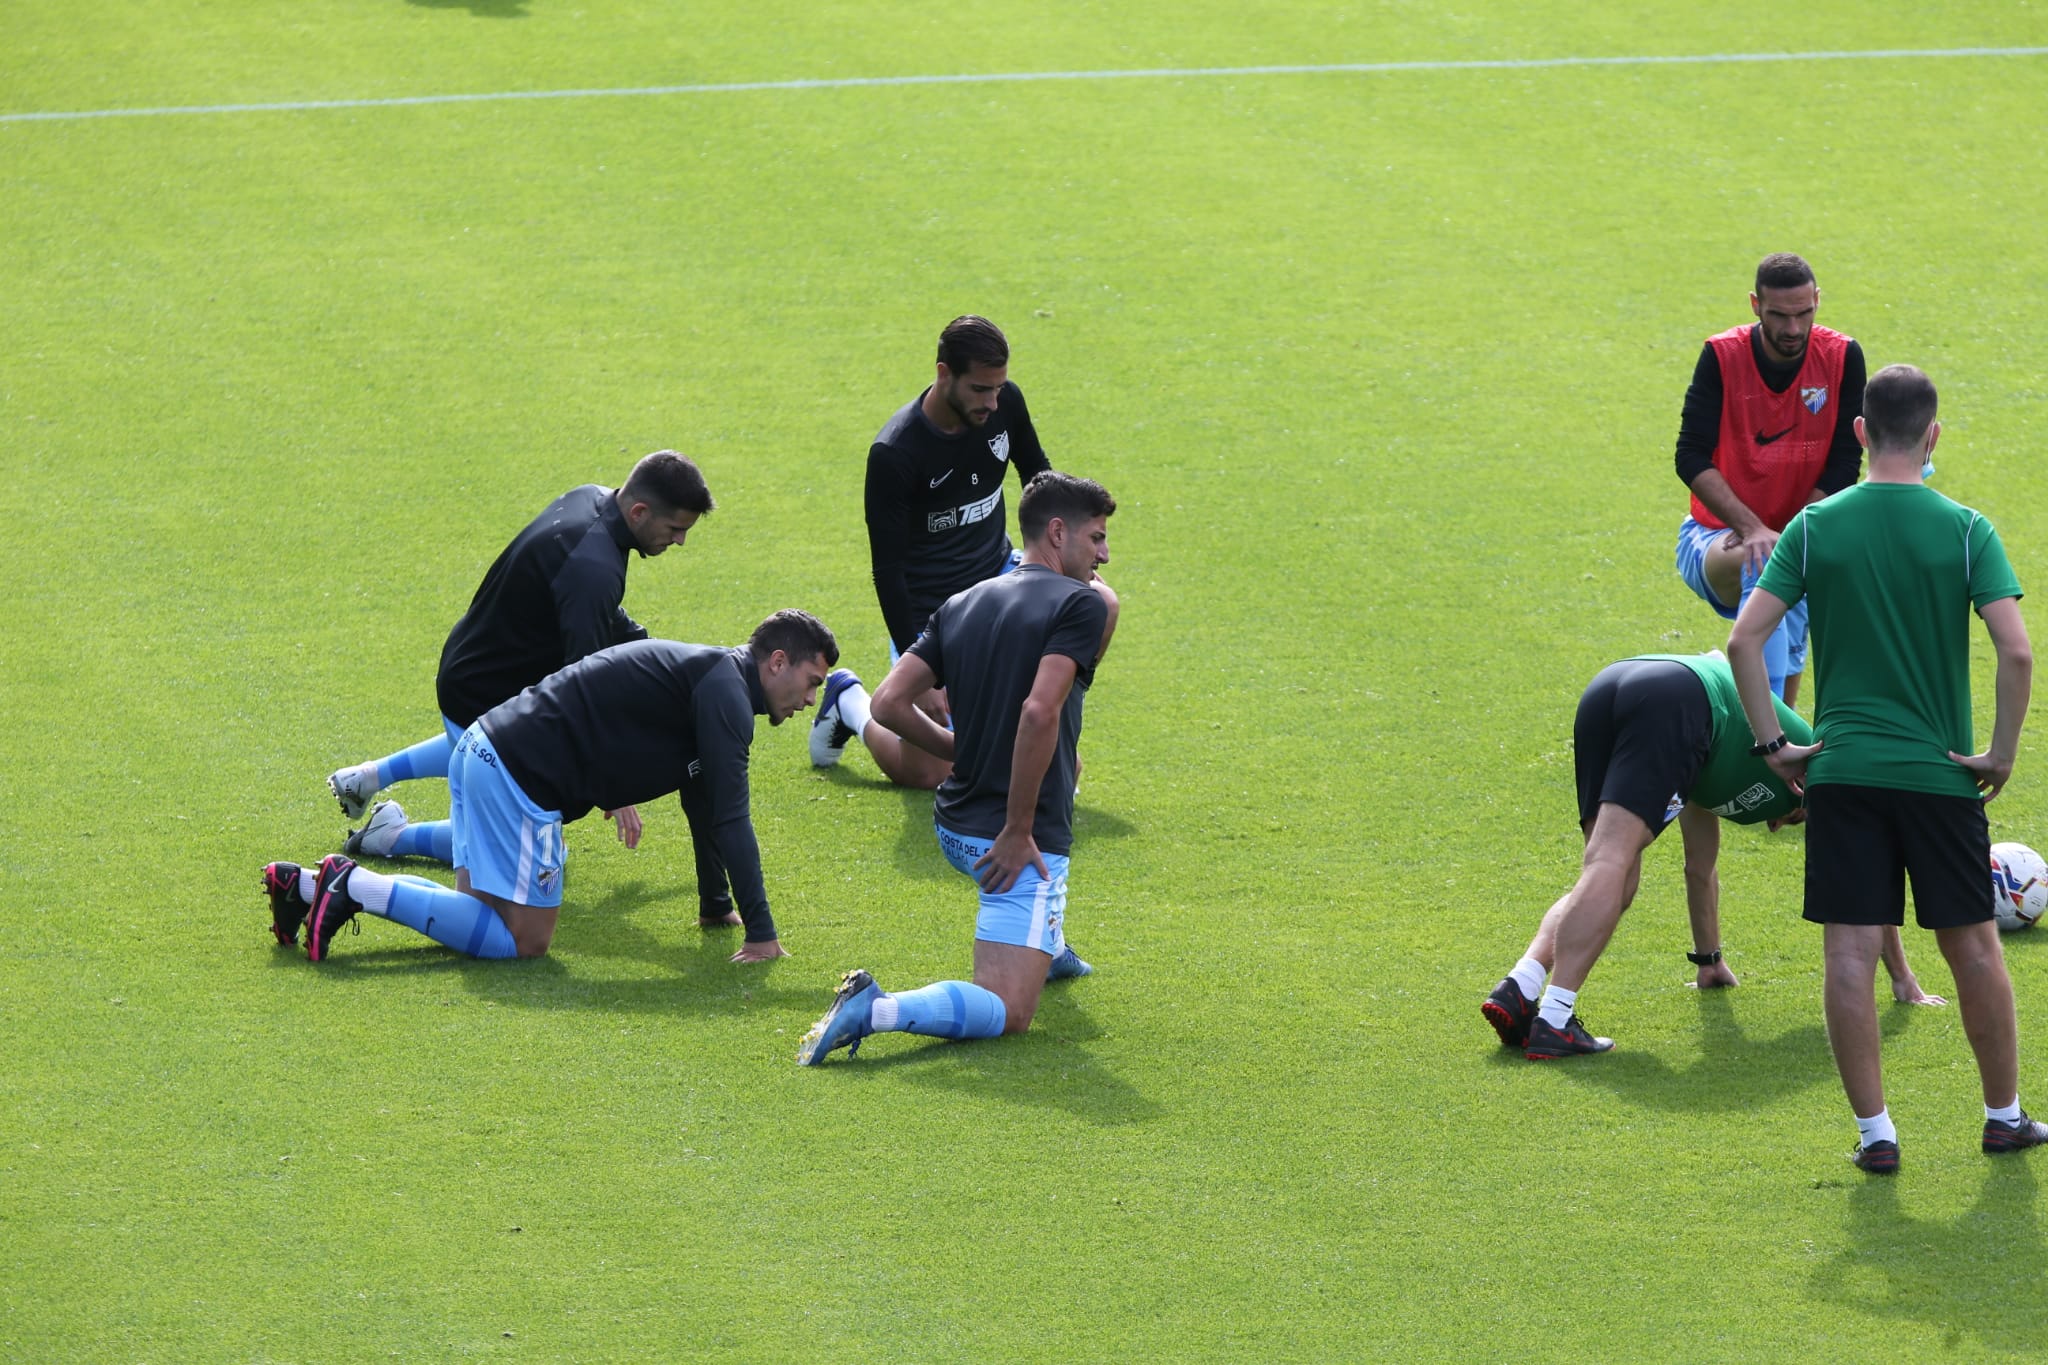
x=1016, y=77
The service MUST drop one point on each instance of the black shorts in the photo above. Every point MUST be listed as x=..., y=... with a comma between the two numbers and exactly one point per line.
x=1863, y=842
x=1641, y=737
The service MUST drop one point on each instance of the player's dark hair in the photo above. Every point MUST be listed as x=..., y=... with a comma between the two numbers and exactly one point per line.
x=798, y=634
x=1782, y=270
x=1066, y=496
x=970, y=341
x=669, y=482
x=1899, y=404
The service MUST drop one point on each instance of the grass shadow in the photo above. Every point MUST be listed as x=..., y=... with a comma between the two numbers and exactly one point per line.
x=696, y=973
x=1731, y=1064
x=481, y=9
x=1046, y=1068
x=1963, y=1276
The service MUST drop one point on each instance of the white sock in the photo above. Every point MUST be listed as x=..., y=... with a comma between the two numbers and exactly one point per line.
x=309, y=878
x=371, y=890
x=1877, y=1128
x=883, y=1014
x=2009, y=1114
x=1557, y=1005
x=1529, y=974
x=855, y=709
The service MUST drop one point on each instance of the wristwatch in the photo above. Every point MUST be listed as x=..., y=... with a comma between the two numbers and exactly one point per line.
x=1704, y=959
x=1760, y=750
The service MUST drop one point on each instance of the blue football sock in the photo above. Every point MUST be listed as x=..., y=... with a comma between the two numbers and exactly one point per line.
x=428, y=839
x=1777, y=649
x=450, y=918
x=428, y=758
x=946, y=1009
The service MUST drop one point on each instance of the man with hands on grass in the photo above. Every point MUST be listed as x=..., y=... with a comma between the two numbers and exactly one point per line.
x=622, y=726
x=1656, y=739
x=1891, y=570
x=1017, y=655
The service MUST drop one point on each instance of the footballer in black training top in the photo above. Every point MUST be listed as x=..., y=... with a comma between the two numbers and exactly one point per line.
x=936, y=520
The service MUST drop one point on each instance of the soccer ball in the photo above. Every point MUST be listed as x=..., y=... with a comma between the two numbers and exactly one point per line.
x=2019, y=886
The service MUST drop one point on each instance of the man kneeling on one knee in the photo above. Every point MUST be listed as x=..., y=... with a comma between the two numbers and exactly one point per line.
x=620, y=727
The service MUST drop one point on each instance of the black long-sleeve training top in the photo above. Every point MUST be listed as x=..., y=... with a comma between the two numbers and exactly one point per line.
x=551, y=597
x=632, y=723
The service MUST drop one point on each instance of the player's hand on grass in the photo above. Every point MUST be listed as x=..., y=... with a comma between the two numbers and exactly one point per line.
x=1715, y=976
x=628, y=820
x=764, y=951
x=1906, y=990
x=1989, y=773
x=998, y=869
x=1789, y=763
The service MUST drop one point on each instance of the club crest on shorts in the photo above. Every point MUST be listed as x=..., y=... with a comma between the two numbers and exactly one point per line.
x=999, y=444
x=1671, y=811
x=1814, y=399
x=547, y=876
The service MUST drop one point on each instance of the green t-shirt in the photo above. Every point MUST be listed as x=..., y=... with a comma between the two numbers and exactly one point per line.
x=1891, y=572
x=1733, y=783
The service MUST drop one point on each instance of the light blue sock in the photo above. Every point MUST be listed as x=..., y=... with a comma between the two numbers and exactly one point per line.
x=450, y=918
x=428, y=758
x=428, y=839
x=1777, y=649
x=945, y=1009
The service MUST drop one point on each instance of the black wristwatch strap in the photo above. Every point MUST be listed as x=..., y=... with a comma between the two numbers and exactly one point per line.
x=1760, y=750
x=1704, y=959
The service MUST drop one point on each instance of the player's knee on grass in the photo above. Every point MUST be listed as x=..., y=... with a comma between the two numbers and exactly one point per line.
x=1015, y=975
x=532, y=927
x=1109, y=600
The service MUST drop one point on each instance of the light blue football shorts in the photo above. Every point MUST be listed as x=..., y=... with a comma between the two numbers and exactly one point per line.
x=509, y=845
x=1693, y=542
x=454, y=730
x=1031, y=914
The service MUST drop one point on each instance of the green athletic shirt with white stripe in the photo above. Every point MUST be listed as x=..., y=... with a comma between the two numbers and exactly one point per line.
x=1891, y=572
x=1734, y=783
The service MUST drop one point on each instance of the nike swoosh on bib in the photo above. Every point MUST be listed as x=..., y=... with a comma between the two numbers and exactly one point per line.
x=1764, y=440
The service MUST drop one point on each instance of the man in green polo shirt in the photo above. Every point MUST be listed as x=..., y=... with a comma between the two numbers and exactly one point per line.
x=1894, y=788
x=1656, y=738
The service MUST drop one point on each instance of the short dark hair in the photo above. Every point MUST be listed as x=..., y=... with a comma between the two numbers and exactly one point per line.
x=1899, y=404
x=798, y=634
x=1066, y=496
x=669, y=482
x=969, y=341
x=1782, y=270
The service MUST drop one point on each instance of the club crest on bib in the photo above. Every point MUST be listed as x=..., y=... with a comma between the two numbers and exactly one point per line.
x=999, y=444
x=1814, y=399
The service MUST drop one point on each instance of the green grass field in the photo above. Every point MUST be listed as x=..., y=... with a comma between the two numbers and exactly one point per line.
x=1384, y=369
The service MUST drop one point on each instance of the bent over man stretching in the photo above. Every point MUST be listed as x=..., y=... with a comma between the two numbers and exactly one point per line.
x=624, y=725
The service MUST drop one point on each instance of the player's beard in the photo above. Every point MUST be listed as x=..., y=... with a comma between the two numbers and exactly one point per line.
x=966, y=417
